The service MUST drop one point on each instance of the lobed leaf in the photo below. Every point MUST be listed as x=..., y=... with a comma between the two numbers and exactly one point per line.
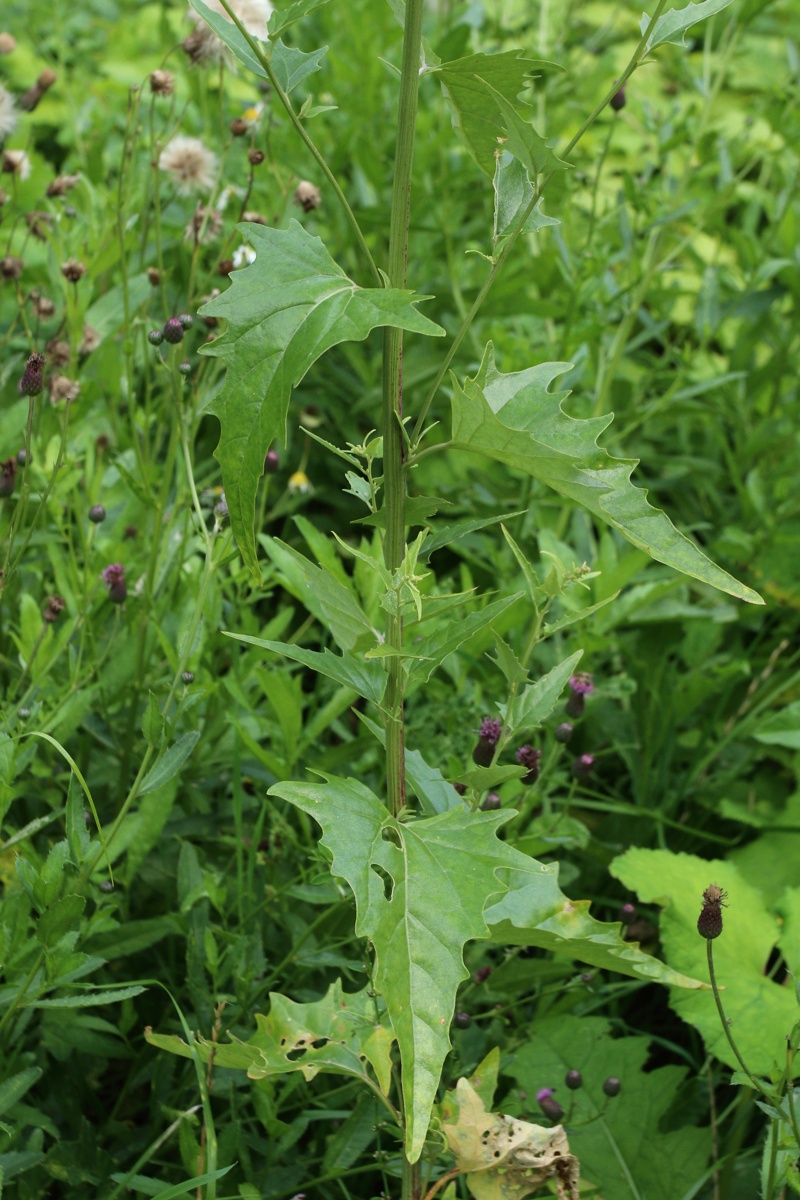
x=671, y=26
x=516, y=420
x=283, y=312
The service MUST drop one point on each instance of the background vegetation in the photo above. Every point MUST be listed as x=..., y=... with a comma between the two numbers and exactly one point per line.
x=671, y=285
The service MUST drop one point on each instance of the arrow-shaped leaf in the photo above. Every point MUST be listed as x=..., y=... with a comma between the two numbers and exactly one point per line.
x=671, y=26
x=283, y=312
x=515, y=419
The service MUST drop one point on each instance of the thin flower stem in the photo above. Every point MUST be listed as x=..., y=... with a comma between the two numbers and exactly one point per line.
x=724, y=1020
x=301, y=131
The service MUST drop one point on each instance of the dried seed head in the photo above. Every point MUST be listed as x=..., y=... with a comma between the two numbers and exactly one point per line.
x=91, y=340
x=709, y=923
x=73, y=270
x=38, y=223
x=256, y=218
x=255, y=157
x=7, y=43
x=53, y=608
x=153, y=276
x=239, y=127
x=58, y=352
x=62, y=388
x=225, y=266
x=62, y=184
x=43, y=306
x=162, y=83
x=11, y=268
x=307, y=196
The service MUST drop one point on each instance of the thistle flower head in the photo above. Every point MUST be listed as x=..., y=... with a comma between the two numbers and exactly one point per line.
x=531, y=759
x=113, y=577
x=581, y=683
x=190, y=164
x=202, y=45
x=307, y=196
x=16, y=162
x=53, y=608
x=709, y=923
x=32, y=381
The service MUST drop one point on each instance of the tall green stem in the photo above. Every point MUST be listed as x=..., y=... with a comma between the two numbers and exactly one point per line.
x=393, y=452
x=394, y=470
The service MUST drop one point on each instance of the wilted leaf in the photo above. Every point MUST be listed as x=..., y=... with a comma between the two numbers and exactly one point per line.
x=505, y=1158
x=339, y=1033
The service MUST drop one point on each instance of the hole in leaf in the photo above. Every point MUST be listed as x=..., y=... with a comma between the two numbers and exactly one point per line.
x=390, y=834
x=388, y=882
x=296, y=1054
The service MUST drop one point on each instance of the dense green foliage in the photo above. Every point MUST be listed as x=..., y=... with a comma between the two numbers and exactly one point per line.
x=193, y=784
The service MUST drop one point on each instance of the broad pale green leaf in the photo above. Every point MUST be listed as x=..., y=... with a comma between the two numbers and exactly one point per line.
x=467, y=85
x=524, y=143
x=761, y=1010
x=516, y=420
x=170, y=763
x=535, y=912
x=366, y=677
x=535, y=703
x=434, y=648
x=629, y=1141
x=333, y=604
x=288, y=14
x=401, y=873
x=339, y=1033
x=292, y=66
x=505, y=1158
x=283, y=312
x=671, y=26
x=513, y=193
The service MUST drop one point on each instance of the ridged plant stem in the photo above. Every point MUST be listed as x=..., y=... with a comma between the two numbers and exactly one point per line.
x=393, y=451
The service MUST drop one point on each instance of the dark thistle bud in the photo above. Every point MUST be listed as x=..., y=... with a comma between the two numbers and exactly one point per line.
x=272, y=462
x=24, y=458
x=130, y=533
x=255, y=157
x=627, y=914
x=582, y=686
x=549, y=1106
x=73, y=270
x=185, y=368
x=114, y=578
x=173, y=331
x=564, y=732
x=155, y=337
x=8, y=472
x=462, y=1020
x=32, y=381
x=611, y=1086
x=482, y=974
x=618, y=100
x=530, y=759
x=97, y=514
x=709, y=923
x=488, y=737
x=239, y=127
x=225, y=266
x=186, y=320
x=188, y=677
x=53, y=608
x=491, y=803
x=461, y=788
x=153, y=276
x=582, y=767
x=574, y=1080
x=587, y=977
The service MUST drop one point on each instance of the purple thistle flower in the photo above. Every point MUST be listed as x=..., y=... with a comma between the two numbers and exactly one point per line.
x=113, y=577
x=32, y=381
x=531, y=759
x=489, y=735
x=550, y=1107
x=582, y=686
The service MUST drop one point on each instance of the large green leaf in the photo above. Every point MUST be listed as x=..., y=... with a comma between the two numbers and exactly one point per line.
x=468, y=85
x=516, y=420
x=671, y=26
x=622, y=1144
x=762, y=1011
x=535, y=702
x=434, y=648
x=420, y=889
x=326, y=597
x=283, y=312
x=339, y=1033
x=366, y=677
x=535, y=912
